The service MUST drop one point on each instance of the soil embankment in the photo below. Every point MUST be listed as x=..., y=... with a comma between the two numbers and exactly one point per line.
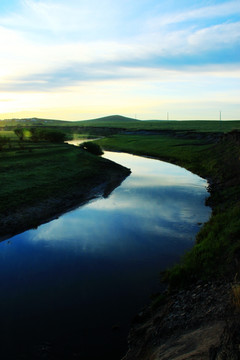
x=196, y=323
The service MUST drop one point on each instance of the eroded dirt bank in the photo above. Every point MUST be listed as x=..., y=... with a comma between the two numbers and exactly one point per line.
x=196, y=323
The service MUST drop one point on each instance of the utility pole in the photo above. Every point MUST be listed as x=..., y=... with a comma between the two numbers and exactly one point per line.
x=167, y=115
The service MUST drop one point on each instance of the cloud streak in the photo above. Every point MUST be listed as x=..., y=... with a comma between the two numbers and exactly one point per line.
x=105, y=60
x=222, y=10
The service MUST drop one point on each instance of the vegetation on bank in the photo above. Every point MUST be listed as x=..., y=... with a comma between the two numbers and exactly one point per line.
x=91, y=147
x=217, y=249
x=34, y=172
x=39, y=134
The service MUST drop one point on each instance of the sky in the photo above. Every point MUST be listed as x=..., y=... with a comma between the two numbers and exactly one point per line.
x=146, y=59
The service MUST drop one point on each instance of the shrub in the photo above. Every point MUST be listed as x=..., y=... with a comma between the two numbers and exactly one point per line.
x=91, y=147
x=54, y=136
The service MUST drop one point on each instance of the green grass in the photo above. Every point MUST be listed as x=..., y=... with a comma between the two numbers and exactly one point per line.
x=184, y=152
x=39, y=171
x=216, y=249
x=217, y=246
x=191, y=125
x=8, y=133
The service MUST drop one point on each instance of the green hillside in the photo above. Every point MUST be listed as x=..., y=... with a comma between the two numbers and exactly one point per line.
x=126, y=123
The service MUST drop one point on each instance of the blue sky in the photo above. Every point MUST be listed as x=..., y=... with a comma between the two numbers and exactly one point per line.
x=81, y=59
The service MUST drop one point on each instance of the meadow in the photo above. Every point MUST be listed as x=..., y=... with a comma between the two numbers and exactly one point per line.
x=161, y=125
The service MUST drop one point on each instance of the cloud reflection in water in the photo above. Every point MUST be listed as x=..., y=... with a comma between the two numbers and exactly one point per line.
x=150, y=211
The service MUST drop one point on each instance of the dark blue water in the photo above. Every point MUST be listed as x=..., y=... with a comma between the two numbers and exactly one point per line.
x=70, y=288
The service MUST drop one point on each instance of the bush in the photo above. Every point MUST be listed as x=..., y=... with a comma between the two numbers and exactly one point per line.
x=91, y=147
x=53, y=136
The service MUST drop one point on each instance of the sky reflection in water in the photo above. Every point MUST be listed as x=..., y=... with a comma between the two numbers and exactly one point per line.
x=94, y=267
x=161, y=206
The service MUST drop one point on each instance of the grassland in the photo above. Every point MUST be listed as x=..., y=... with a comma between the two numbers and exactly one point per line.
x=40, y=180
x=161, y=125
x=125, y=123
x=217, y=249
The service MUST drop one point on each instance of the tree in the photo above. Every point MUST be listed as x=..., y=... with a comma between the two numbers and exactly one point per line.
x=54, y=136
x=35, y=134
x=47, y=135
x=91, y=147
x=20, y=133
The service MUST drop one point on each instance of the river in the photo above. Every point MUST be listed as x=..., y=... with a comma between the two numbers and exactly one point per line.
x=70, y=288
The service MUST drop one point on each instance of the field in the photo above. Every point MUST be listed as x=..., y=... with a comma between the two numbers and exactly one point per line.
x=160, y=125
x=121, y=122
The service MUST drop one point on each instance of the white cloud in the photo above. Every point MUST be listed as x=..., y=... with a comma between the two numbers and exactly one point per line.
x=215, y=36
x=220, y=10
x=81, y=18
x=24, y=56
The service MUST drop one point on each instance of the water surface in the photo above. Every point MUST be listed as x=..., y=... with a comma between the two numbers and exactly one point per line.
x=70, y=287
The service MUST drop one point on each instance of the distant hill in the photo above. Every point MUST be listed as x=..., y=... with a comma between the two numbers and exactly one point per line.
x=112, y=120
x=122, y=122
x=104, y=121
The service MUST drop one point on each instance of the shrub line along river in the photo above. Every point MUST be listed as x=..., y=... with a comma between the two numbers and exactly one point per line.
x=70, y=288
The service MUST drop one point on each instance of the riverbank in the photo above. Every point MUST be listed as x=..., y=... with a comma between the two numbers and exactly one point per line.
x=42, y=181
x=195, y=321
x=217, y=160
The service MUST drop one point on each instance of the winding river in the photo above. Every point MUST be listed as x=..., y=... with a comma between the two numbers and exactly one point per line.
x=70, y=288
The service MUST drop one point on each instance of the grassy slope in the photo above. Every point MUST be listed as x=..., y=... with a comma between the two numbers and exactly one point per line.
x=132, y=124
x=42, y=171
x=218, y=242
